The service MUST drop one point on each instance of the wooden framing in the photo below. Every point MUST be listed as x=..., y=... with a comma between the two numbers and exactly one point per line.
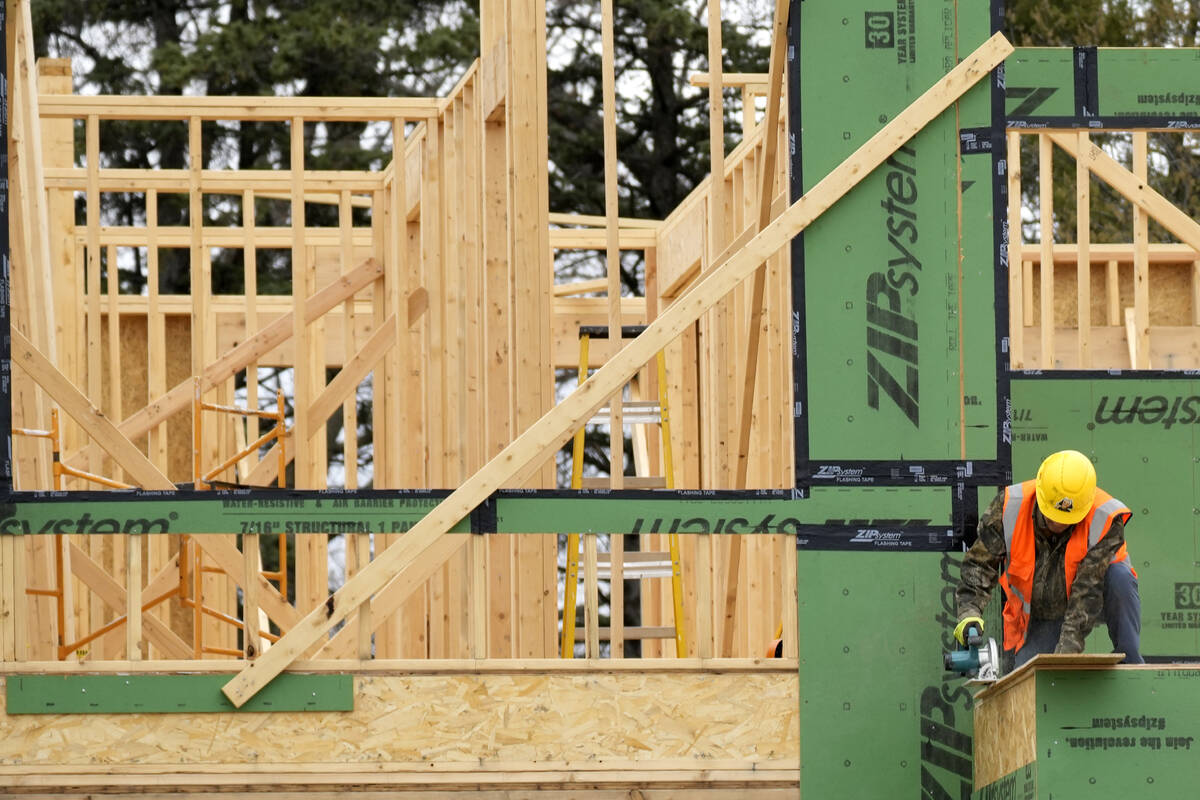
x=436, y=289
x=1110, y=325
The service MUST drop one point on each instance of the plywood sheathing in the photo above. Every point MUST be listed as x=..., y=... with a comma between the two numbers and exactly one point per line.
x=1005, y=728
x=424, y=724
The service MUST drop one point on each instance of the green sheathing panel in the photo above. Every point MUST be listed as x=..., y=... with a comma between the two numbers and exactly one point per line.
x=1118, y=733
x=156, y=694
x=1050, y=85
x=267, y=515
x=1040, y=81
x=1144, y=437
x=1146, y=82
x=878, y=715
x=832, y=506
x=881, y=268
x=979, y=317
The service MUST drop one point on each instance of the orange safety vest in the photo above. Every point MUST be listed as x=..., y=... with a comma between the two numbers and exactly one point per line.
x=1017, y=580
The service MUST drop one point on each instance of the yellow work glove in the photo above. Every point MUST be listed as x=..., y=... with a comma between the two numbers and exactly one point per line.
x=963, y=633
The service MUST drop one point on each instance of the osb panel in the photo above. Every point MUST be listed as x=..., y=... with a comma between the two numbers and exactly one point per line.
x=1005, y=729
x=1170, y=288
x=449, y=719
x=1170, y=348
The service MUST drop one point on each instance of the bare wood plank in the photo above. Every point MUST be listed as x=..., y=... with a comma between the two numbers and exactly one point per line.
x=212, y=107
x=41, y=273
x=1018, y=307
x=1112, y=282
x=251, y=556
x=1196, y=292
x=1131, y=337
x=616, y=430
x=8, y=594
x=90, y=418
x=362, y=552
x=1083, y=261
x=766, y=192
x=133, y=598
x=1141, y=256
x=408, y=558
x=612, y=262
x=1160, y=252
x=114, y=339
x=1046, y=235
x=1027, y=295
x=250, y=281
x=92, y=149
x=757, y=80
x=704, y=581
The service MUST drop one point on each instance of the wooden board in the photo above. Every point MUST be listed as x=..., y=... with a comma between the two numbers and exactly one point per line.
x=691, y=725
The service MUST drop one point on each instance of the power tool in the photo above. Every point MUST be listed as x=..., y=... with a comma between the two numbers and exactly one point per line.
x=977, y=659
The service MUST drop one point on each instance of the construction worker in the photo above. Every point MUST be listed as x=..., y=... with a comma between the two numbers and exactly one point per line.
x=1056, y=545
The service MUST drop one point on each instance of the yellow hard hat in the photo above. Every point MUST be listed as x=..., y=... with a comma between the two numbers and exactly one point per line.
x=1066, y=485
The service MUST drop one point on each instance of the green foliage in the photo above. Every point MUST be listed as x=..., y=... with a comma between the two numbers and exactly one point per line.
x=662, y=121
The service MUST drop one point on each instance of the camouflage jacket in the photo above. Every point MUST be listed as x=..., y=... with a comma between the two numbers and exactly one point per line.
x=983, y=562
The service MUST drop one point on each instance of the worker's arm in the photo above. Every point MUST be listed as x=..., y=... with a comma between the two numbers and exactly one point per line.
x=981, y=563
x=1087, y=592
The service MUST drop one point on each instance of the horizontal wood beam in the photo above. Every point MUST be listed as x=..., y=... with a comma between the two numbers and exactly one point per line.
x=209, y=107
x=733, y=80
x=217, y=181
x=420, y=549
x=1102, y=253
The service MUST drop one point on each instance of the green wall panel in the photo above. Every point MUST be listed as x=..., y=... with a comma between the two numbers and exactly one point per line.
x=884, y=287
x=1112, y=733
x=1139, y=83
x=228, y=514
x=721, y=515
x=878, y=715
x=149, y=694
x=1144, y=437
x=1040, y=81
x=1144, y=82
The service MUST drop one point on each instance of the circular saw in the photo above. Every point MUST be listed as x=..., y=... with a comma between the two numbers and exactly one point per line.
x=978, y=659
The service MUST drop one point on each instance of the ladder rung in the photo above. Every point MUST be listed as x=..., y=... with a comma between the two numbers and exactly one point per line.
x=662, y=632
x=633, y=412
x=630, y=481
x=637, y=565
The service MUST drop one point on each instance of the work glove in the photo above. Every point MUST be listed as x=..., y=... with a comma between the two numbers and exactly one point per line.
x=969, y=631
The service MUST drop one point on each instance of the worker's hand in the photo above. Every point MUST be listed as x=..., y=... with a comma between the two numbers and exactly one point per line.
x=969, y=631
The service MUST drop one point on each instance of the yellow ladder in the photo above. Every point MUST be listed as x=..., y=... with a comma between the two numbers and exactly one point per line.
x=637, y=565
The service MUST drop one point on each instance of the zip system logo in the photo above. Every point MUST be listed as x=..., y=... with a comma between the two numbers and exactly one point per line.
x=1153, y=410
x=892, y=343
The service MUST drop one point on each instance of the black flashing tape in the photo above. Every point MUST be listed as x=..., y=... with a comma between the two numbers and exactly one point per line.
x=975, y=141
x=1105, y=123
x=878, y=539
x=1087, y=89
